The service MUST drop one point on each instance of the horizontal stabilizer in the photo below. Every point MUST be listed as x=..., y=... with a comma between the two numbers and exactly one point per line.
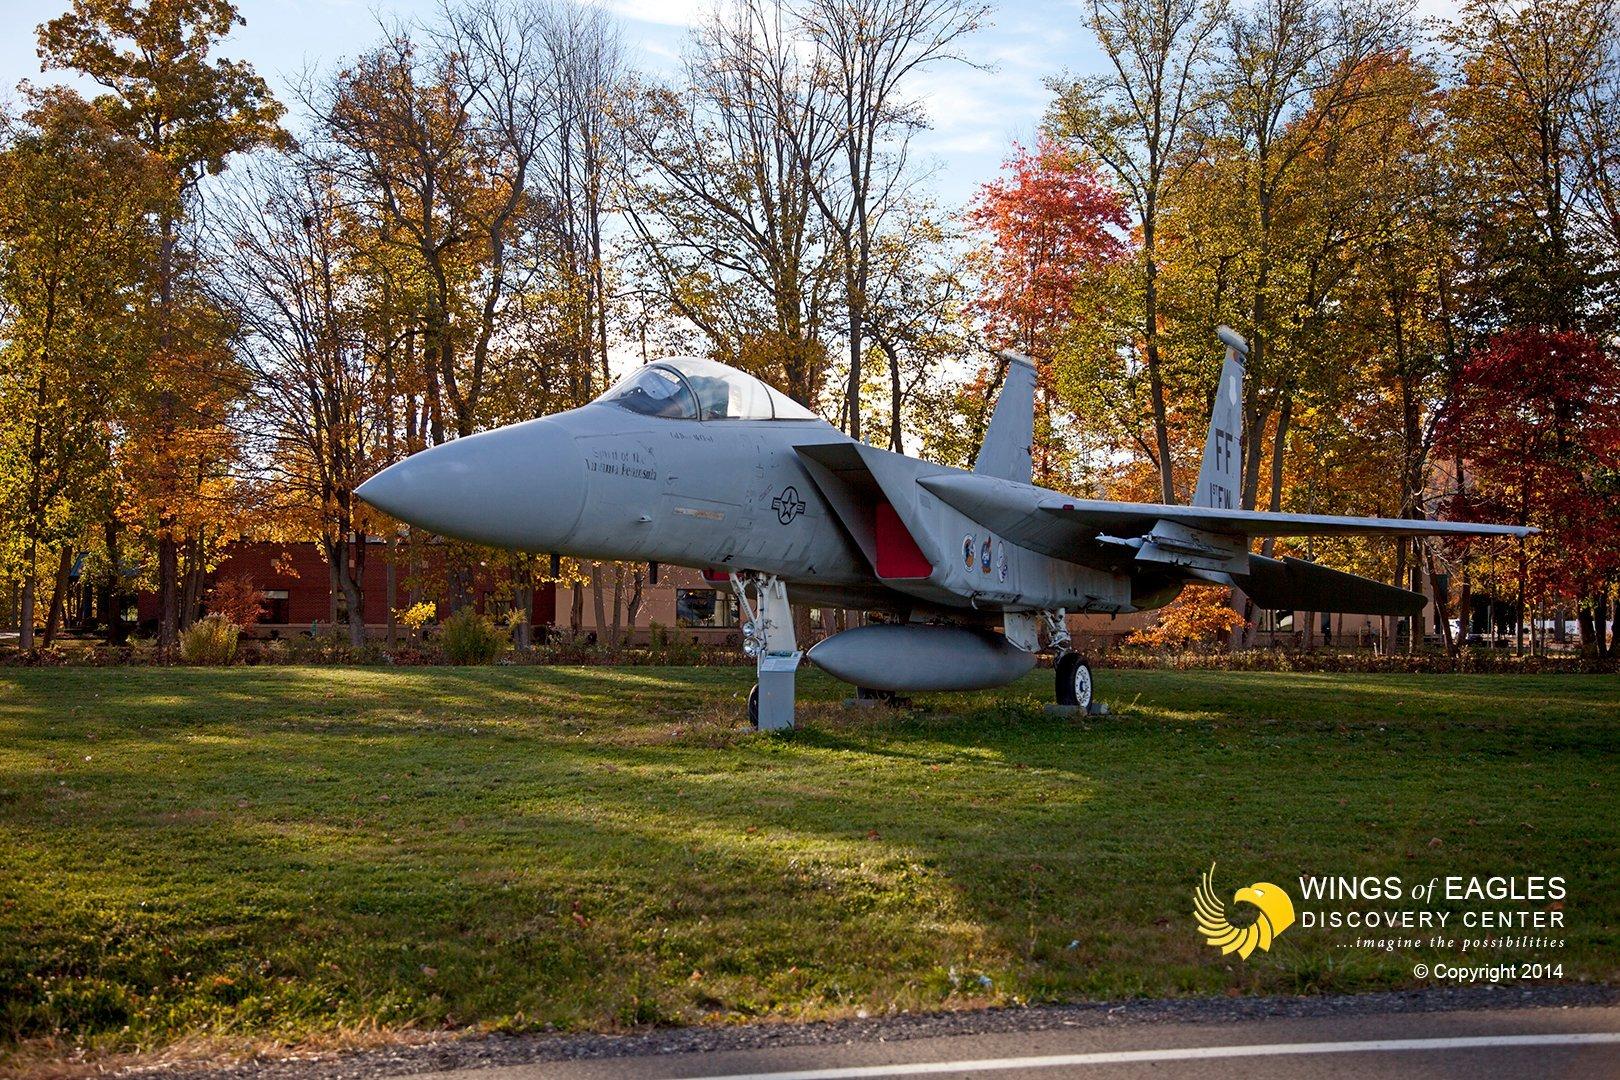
x=1294, y=585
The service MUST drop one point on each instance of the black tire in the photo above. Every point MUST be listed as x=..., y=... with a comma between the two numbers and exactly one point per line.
x=753, y=707
x=1073, y=677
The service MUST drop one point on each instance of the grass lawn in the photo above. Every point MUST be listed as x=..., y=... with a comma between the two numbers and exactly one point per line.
x=233, y=857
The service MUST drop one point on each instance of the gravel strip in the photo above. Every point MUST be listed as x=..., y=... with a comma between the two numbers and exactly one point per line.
x=482, y=1051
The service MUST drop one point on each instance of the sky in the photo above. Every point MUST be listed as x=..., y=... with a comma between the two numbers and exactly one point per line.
x=976, y=112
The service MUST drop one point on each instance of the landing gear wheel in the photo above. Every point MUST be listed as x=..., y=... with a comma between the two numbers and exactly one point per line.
x=753, y=707
x=1073, y=680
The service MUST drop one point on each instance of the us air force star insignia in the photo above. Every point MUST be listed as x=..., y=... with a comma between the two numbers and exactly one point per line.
x=1276, y=915
x=788, y=505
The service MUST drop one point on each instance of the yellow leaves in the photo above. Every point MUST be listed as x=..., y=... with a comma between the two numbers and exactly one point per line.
x=416, y=615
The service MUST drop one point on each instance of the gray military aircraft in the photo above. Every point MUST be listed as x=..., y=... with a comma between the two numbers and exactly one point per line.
x=692, y=463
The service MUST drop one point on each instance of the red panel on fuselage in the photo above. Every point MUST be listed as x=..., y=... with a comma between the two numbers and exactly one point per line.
x=897, y=553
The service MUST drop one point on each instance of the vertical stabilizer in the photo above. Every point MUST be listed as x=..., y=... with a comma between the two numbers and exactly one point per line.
x=1220, y=475
x=1005, y=453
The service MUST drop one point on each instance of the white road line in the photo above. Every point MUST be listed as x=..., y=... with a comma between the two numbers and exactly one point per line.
x=1189, y=1053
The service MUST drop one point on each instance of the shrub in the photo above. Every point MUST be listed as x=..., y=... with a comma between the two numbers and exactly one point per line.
x=237, y=599
x=1201, y=615
x=416, y=616
x=471, y=638
x=209, y=640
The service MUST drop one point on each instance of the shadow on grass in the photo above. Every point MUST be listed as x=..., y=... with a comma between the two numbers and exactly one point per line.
x=296, y=850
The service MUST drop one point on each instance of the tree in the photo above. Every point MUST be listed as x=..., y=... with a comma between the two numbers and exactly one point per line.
x=288, y=272
x=868, y=50
x=1049, y=222
x=724, y=199
x=1137, y=119
x=154, y=58
x=1527, y=111
x=76, y=199
x=1536, y=417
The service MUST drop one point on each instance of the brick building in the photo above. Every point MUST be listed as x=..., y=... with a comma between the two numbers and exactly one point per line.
x=296, y=584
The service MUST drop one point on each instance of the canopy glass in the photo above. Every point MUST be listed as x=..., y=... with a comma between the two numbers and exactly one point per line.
x=688, y=388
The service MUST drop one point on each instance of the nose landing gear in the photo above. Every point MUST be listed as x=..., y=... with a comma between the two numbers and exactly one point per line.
x=768, y=638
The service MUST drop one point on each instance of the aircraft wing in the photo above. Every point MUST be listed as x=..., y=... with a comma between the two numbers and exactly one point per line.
x=1107, y=516
x=1201, y=538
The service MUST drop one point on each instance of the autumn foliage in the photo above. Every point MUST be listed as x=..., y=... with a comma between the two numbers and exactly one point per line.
x=1200, y=616
x=1051, y=220
x=1535, y=420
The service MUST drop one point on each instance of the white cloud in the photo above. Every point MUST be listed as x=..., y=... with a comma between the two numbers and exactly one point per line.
x=662, y=12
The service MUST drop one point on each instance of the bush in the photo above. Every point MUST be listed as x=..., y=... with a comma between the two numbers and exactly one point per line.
x=238, y=599
x=471, y=638
x=1201, y=615
x=209, y=640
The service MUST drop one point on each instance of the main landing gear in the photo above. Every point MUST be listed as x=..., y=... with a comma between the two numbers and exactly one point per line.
x=1073, y=680
x=1072, y=674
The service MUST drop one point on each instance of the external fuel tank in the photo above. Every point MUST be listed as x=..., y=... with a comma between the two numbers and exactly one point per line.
x=913, y=657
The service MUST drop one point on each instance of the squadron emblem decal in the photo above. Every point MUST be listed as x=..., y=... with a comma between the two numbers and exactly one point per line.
x=967, y=552
x=788, y=505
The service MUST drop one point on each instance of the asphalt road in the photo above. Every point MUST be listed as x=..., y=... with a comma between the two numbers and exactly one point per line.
x=1579, y=1041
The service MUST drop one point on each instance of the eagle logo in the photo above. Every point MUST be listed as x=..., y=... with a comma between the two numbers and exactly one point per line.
x=1276, y=915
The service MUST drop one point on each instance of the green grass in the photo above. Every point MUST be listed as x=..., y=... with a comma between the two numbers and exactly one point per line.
x=293, y=854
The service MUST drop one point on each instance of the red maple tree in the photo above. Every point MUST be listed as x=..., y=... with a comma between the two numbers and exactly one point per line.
x=1050, y=218
x=1534, y=417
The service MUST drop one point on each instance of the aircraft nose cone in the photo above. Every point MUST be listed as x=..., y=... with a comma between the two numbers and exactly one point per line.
x=517, y=487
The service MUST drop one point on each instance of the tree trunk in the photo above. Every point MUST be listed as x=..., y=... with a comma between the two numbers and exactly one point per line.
x=59, y=588
x=392, y=588
x=1279, y=443
x=354, y=593
x=117, y=632
x=1150, y=327
x=25, y=625
x=1442, y=604
x=1600, y=619
x=1523, y=576
x=598, y=603
x=168, y=591
x=638, y=581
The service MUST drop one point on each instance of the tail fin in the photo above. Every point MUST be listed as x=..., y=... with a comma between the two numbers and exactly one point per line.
x=1005, y=453
x=1220, y=476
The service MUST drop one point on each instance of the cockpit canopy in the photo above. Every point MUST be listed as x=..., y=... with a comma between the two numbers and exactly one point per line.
x=687, y=388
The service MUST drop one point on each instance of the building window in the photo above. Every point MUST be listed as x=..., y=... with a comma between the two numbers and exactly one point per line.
x=277, y=606
x=1279, y=622
x=705, y=608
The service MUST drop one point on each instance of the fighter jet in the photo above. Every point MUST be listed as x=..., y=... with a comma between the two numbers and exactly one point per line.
x=689, y=462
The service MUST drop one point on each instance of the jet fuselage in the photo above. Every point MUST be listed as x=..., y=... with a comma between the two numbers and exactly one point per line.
x=722, y=495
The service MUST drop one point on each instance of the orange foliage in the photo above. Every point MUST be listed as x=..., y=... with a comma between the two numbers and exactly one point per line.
x=237, y=599
x=1201, y=614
